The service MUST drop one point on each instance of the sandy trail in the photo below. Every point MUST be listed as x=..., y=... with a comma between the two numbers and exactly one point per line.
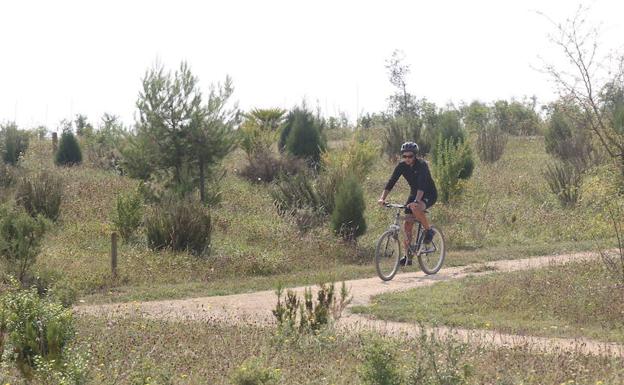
x=256, y=307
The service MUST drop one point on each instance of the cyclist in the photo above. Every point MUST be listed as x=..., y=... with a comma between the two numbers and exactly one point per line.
x=423, y=192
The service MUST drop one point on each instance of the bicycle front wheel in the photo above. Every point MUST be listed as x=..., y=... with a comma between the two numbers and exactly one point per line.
x=431, y=257
x=387, y=255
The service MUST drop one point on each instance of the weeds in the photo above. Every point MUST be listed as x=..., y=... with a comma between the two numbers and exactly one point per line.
x=180, y=225
x=41, y=194
x=254, y=372
x=307, y=315
x=128, y=214
x=615, y=262
x=564, y=180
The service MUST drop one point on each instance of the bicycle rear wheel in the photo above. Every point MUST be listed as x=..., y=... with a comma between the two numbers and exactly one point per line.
x=387, y=255
x=431, y=257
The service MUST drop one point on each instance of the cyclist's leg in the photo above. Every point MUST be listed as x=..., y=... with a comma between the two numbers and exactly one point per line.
x=409, y=225
x=418, y=211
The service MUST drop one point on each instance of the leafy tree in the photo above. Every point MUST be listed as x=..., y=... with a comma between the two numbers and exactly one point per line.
x=13, y=143
x=68, y=153
x=591, y=83
x=348, y=215
x=83, y=127
x=402, y=102
x=516, y=118
x=566, y=135
x=476, y=116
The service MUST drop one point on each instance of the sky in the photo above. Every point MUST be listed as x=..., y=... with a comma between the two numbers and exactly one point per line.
x=60, y=58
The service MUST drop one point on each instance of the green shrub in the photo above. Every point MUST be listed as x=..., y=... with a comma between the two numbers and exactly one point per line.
x=13, y=143
x=34, y=328
x=491, y=142
x=307, y=315
x=399, y=130
x=302, y=136
x=68, y=153
x=7, y=176
x=381, y=365
x=439, y=362
x=448, y=125
x=254, y=372
x=264, y=167
x=295, y=192
x=564, y=180
x=103, y=145
x=357, y=159
x=566, y=140
x=348, y=215
x=453, y=162
x=41, y=195
x=128, y=214
x=179, y=224
x=20, y=240
x=74, y=371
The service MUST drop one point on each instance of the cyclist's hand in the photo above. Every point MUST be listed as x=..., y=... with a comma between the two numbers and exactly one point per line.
x=381, y=202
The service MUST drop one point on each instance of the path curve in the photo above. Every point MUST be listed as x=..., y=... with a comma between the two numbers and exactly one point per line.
x=256, y=307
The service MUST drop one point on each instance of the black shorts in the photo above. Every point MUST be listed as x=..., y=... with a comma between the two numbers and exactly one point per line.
x=428, y=200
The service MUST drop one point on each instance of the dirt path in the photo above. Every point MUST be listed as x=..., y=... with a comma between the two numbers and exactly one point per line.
x=256, y=307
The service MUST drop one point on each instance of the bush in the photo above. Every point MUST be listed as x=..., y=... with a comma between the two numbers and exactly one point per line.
x=13, y=143
x=41, y=195
x=452, y=162
x=399, y=130
x=253, y=372
x=491, y=142
x=565, y=140
x=348, y=215
x=128, y=214
x=309, y=316
x=103, y=146
x=68, y=153
x=264, y=167
x=564, y=180
x=179, y=224
x=20, y=240
x=381, y=365
x=35, y=329
x=302, y=137
x=7, y=175
x=357, y=159
x=296, y=192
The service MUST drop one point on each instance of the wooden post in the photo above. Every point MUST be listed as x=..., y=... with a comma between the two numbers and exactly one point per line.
x=54, y=141
x=114, y=255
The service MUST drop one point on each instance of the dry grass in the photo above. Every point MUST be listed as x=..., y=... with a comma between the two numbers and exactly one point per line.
x=573, y=300
x=186, y=352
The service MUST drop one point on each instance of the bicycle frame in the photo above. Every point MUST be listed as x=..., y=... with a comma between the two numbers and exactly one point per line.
x=396, y=226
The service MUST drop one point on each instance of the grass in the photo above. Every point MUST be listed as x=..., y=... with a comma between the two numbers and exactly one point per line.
x=573, y=300
x=505, y=212
x=129, y=351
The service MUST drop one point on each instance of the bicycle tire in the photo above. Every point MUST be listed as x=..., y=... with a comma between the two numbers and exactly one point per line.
x=385, y=257
x=439, y=249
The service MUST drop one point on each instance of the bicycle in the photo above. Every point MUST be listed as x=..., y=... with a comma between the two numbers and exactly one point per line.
x=388, y=250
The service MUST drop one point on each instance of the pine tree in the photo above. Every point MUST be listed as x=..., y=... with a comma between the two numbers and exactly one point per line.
x=68, y=153
x=348, y=215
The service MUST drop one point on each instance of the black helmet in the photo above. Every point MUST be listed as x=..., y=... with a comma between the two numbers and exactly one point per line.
x=409, y=147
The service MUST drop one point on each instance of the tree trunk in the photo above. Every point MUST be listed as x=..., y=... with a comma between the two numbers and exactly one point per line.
x=202, y=181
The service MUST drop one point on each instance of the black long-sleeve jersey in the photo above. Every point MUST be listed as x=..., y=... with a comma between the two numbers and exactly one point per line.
x=418, y=176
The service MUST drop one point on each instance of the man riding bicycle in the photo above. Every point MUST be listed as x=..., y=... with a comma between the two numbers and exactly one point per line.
x=423, y=192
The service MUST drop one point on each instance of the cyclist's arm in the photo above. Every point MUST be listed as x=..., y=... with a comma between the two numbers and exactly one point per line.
x=419, y=195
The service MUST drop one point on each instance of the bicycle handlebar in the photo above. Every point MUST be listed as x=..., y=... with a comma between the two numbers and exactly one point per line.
x=394, y=206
